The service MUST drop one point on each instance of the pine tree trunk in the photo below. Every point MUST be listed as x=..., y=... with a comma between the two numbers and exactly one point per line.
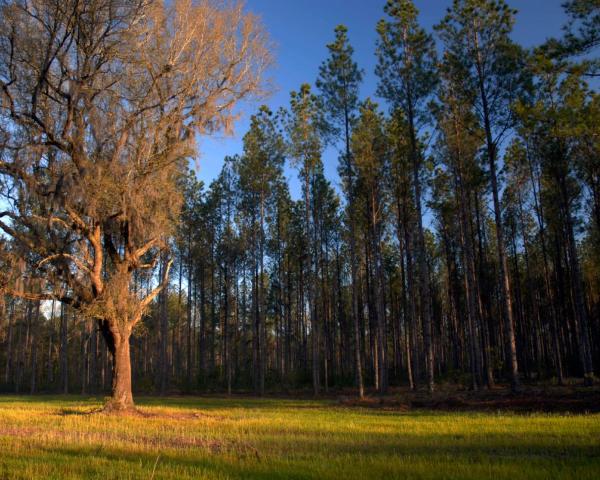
x=188, y=350
x=356, y=329
x=405, y=312
x=585, y=345
x=50, y=364
x=355, y=311
x=94, y=360
x=256, y=350
x=84, y=359
x=202, y=327
x=424, y=289
x=64, y=359
x=378, y=290
x=262, y=350
x=511, y=345
x=353, y=262
x=9, y=342
x=536, y=188
x=34, y=356
x=470, y=293
x=163, y=360
x=413, y=309
x=505, y=290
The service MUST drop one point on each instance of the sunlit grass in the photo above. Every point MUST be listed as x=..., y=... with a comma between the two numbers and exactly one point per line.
x=213, y=438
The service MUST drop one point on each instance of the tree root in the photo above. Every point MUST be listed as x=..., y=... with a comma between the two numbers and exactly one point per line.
x=117, y=408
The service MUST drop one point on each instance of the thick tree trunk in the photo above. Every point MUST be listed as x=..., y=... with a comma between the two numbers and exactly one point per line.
x=121, y=399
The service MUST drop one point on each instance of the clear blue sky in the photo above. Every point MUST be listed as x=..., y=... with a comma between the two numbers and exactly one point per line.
x=302, y=29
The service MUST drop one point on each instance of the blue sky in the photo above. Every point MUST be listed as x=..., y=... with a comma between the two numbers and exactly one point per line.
x=302, y=29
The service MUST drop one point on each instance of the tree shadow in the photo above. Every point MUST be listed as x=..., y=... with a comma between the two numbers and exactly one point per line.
x=437, y=453
x=67, y=411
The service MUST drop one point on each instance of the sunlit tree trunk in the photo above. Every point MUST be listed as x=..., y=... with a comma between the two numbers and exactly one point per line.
x=117, y=341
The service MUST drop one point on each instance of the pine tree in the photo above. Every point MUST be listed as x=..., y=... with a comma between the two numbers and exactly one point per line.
x=477, y=34
x=259, y=171
x=370, y=158
x=304, y=125
x=339, y=81
x=406, y=68
x=555, y=126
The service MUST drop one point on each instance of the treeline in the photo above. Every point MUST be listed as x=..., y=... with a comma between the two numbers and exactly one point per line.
x=462, y=245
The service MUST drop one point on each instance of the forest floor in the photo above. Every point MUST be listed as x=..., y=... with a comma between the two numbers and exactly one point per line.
x=460, y=436
x=531, y=399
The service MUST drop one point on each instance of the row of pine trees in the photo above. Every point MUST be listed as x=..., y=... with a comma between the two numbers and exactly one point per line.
x=461, y=244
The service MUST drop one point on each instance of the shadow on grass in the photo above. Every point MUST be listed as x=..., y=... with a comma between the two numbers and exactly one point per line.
x=318, y=458
x=385, y=448
x=78, y=412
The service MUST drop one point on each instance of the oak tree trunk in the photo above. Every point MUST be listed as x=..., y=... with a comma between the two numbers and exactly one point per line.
x=117, y=341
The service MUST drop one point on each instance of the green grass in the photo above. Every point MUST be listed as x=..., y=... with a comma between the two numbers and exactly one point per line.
x=213, y=438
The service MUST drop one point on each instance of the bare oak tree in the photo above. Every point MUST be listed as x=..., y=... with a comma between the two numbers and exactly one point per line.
x=100, y=104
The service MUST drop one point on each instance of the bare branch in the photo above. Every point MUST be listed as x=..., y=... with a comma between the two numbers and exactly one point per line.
x=153, y=294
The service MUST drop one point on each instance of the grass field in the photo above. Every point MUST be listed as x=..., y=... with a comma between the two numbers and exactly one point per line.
x=213, y=438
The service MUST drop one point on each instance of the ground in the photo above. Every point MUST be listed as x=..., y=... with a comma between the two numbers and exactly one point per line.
x=220, y=438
